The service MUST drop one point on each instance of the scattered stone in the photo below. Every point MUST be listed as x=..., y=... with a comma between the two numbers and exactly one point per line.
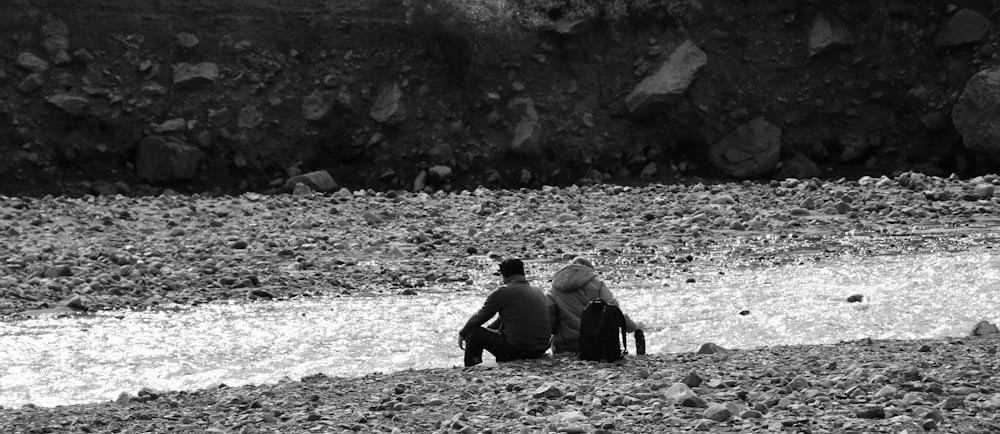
x=528, y=133
x=187, y=40
x=31, y=83
x=710, y=348
x=984, y=328
x=188, y=75
x=718, y=413
x=31, y=62
x=388, y=108
x=164, y=159
x=963, y=28
x=73, y=105
x=670, y=80
x=318, y=105
x=750, y=151
x=829, y=32
x=58, y=271
x=319, y=180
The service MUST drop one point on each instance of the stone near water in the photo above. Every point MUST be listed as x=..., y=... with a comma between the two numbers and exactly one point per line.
x=984, y=328
x=711, y=348
x=319, y=180
x=58, y=271
x=855, y=298
x=718, y=413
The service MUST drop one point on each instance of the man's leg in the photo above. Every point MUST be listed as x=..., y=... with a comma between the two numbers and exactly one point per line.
x=485, y=339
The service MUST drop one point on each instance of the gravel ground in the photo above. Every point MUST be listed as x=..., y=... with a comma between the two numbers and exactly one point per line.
x=71, y=256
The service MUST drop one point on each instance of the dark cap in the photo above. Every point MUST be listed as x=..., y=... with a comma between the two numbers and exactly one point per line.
x=511, y=267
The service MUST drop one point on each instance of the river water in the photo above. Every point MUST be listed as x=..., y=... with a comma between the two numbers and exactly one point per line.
x=55, y=361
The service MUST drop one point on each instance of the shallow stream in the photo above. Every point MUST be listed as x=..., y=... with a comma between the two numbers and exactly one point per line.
x=54, y=361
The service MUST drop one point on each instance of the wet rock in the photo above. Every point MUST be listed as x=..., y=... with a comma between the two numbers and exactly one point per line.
x=963, y=28
x=829, y=32
x=74, y=302
x=718, y=413
x=692, y=379
x=547, y=391
x=58, y=271
x=31, y=62
x=680, y=393
x=528, y=133
x=188, y=75
x=871, y=412
x=855, y=298
x=710, y=348
x=319, y=180
x=388, y=108
x=751, y=151
x=670, y=80
x=260, y=293
x=73, y=105
x=984, y=328
x=984, y=191
x=165, y=159
x=974, y=112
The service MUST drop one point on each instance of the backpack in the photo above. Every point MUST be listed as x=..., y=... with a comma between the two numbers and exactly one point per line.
x=600, y=324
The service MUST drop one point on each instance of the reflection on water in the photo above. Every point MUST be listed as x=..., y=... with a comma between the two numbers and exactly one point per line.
x=58, y=361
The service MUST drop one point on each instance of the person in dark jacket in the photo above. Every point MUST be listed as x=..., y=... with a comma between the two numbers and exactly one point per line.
x=573, y=287
x=522, y=330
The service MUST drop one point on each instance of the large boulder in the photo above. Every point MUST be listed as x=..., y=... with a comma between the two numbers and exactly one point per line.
x=828, y=33
x=965, y=27
x=751, y=151
x=388, y=108
x=528, y=133
x=976, y=114
x=31, y=62
x=165, y=159
x=319, y=180
x=192, y=75
x=73, y=105
x=670, y=81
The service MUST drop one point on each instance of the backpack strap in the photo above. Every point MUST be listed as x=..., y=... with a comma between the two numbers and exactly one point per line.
x=621, y=325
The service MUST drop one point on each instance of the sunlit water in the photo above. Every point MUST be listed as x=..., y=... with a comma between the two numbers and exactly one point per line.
x=53, y=361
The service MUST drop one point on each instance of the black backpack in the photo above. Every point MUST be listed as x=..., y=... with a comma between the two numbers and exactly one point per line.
x=600, y=325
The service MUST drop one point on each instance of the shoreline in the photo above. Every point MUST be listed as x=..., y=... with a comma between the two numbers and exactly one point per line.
x=855, y=386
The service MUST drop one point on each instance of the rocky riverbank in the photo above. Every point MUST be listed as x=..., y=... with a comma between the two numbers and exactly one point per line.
x=112, y=252
x=852, y=387
x=77, y=255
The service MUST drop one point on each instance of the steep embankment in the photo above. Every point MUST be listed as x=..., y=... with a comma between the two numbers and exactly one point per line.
x=108, y=97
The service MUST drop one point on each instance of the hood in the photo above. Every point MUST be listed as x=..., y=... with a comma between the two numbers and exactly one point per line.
x=572, y=278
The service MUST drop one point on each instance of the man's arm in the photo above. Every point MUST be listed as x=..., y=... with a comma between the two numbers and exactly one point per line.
x=490, y=307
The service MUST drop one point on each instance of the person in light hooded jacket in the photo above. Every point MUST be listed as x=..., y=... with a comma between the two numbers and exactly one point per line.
x=573, y=287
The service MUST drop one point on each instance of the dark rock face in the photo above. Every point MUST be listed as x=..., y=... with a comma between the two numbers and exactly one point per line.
x=847, y=84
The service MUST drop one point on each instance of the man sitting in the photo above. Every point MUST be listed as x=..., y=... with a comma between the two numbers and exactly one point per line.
x=522, y=330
